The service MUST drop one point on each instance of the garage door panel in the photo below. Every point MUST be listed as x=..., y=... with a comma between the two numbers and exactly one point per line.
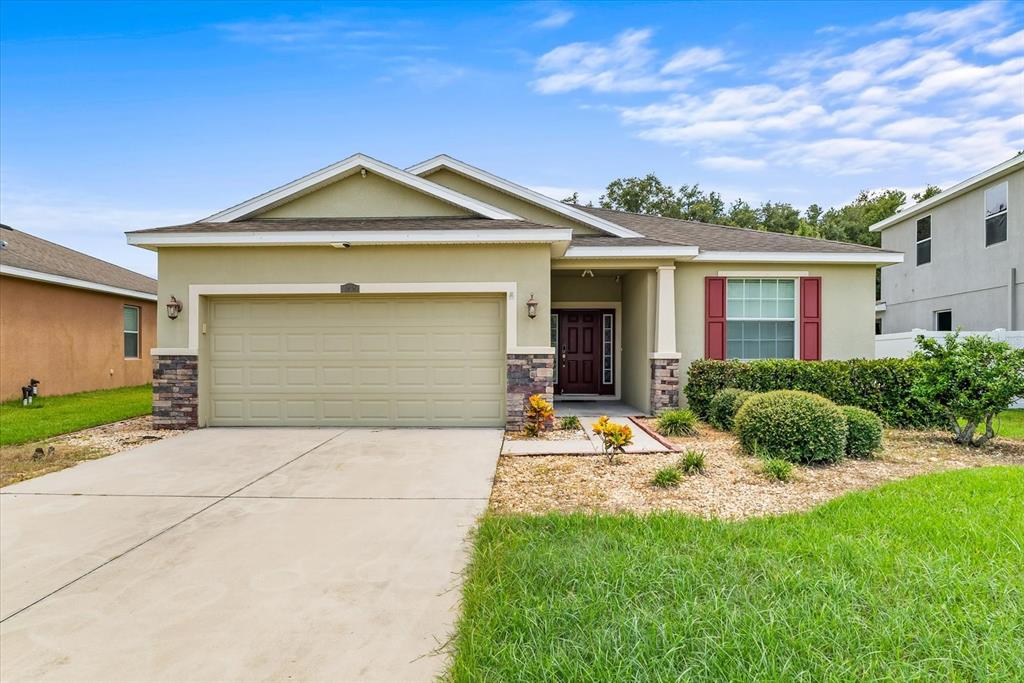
x=414, y=361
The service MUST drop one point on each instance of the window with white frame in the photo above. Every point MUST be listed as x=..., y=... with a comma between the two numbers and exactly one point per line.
x=554, y=343
x=760, y=318
x=131, y=331
x=924, y=240
x=996, y=202
x=944, y=321
x=607, y=348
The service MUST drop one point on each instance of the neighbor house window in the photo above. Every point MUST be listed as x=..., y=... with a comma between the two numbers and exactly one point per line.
x=554, y=343
x=924, y=240
x=760, y=318
x=996, y=200
x=943, y=321
x=131, y=331
x=607, y=348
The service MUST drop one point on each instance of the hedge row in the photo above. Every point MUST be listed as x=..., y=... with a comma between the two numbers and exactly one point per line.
x=882, y=386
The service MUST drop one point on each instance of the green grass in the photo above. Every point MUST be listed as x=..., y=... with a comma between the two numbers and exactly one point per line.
x=52, y=415
x=917, y=580
x=1009, y=424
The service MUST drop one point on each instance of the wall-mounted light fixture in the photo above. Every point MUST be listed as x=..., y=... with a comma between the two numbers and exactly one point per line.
x=531, y=307
x=173, y=308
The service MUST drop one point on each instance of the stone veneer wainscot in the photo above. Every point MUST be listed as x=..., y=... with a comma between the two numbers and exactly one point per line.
x=664, y=384
x=527, y=374
x=175, y=392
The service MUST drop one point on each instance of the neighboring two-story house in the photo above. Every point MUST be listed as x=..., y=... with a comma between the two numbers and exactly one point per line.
x=964, y=265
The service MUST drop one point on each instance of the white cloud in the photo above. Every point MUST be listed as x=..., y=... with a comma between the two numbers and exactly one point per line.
x=942, y=87
x=556, y=19
x=695, y=59
x=1011, y=44
x=731, y=163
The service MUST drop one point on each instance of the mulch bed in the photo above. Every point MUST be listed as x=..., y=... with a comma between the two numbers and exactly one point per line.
x=732, y=487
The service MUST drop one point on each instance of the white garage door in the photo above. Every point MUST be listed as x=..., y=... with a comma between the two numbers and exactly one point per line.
x=406, y=361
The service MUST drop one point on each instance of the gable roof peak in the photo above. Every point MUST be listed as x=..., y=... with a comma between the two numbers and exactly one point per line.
x=523, y=193
x=348, y=166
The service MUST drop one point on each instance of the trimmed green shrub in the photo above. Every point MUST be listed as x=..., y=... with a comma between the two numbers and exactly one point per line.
x=863, y=431
x=691, y=462
x=666, y=477
x=677, y=422
x=777, y=470
x=793, y=425
x=569, y=423
x=883, y=386
x=724, y=405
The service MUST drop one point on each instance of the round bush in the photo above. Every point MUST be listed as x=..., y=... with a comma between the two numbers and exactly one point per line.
x=863, y=431
x=724, y=405
x=793, y=425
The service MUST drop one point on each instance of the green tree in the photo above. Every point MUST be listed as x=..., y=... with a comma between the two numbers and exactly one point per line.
x=926, y=193
x=694, y=205
x=743, y=215
x=779, y=217
x=642, y=195
x=971, y=380
x=574, y=198
x=850, y=223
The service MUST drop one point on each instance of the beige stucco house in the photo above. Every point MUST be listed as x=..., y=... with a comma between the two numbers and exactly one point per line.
x=365, y=294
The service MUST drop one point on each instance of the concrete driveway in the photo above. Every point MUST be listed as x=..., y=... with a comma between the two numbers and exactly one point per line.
x=244, y=555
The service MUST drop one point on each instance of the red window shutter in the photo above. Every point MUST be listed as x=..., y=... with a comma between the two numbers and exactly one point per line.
x=810, y=318
x=714, y=318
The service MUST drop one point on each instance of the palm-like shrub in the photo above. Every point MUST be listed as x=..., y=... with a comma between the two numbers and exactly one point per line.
x=863, y=431
x=792, y=425
x=676, y=422
x=724, y=406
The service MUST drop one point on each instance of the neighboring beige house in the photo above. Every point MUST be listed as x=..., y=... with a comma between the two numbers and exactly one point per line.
x=71, y=321
x=364, y=294
x=965, y=257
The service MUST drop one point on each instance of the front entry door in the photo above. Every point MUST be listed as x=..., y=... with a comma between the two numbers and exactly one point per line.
x=579, y=352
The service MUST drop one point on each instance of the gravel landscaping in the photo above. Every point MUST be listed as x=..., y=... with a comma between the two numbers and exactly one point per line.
x=18, y=463
x=732, y=487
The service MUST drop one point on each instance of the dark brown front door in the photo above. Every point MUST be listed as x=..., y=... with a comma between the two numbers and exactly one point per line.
x=579, y=352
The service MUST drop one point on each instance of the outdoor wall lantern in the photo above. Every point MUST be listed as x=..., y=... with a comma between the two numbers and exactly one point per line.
x=531, y=307
x=173, y=308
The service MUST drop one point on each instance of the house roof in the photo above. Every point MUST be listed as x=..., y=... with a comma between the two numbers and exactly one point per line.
x=988, y=176
x=716, y=238
x=24, y=255
x=348, y=224
x=344, y=168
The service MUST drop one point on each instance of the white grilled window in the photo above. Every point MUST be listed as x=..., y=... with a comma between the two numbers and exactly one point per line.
x=760, y=318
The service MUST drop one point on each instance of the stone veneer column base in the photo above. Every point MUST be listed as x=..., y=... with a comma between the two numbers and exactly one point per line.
x=175, y=392
x=664, y=384
x=526, y=374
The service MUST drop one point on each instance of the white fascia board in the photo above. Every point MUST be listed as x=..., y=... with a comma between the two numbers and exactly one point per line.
x=881, y=258
x=346, y=167
x=971, y=183
x=524, y=193
x=52, y=279
x=631, y=252
x=339, y=238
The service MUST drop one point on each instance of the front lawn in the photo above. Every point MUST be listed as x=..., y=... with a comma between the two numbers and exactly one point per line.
x=52, y=415
x=917, y=580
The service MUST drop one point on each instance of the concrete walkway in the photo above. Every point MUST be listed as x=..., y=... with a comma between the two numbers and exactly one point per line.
x=588, y=444
x=243, y=555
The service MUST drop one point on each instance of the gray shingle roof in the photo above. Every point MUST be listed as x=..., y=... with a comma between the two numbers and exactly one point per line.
x=33, y=253
x=710, y=237
x=350, y=224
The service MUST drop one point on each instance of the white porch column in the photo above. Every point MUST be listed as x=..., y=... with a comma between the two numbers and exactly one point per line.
x=665, y=322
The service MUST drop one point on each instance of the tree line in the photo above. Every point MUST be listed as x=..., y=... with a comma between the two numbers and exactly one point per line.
x=848, y=223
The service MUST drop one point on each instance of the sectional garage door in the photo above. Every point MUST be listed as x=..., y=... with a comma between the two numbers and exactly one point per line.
x=357, y=360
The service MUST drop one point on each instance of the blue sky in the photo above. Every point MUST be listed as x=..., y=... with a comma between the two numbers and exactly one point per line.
x=121, y=116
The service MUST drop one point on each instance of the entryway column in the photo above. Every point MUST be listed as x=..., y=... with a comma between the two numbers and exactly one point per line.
x=665, y=359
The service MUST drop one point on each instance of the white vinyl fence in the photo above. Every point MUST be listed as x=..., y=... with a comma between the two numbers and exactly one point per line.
x=902, y=344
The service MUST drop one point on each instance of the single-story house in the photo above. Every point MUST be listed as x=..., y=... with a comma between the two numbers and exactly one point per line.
x=441, y=294
x=70, y=321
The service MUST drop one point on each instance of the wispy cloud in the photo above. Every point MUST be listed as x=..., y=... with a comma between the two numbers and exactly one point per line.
x=555, y=19
x=945, y=87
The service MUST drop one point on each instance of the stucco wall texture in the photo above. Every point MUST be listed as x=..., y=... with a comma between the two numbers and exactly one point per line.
x=69, y=339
